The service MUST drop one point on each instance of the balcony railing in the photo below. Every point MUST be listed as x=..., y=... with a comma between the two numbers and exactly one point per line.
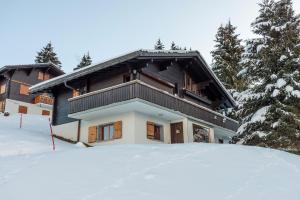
x=43, y=99
x=139, y=90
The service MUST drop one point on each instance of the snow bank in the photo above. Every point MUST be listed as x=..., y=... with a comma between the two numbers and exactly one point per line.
x=32, y=138
x=135, y=172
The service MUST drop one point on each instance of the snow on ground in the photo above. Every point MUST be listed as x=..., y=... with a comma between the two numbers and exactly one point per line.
x=183, y=171
x=32, y=138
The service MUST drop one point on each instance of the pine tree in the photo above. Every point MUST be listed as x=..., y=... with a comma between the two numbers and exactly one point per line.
x=159, y=45
x=227, y=56
x=85, y=61
x=174, y=46
x=271, y=111
x=47, y=55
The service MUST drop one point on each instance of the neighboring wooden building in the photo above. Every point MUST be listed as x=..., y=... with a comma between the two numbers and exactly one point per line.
x=146, y=96
x=15, y=81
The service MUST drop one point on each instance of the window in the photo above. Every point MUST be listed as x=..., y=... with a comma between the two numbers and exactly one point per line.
x=23, y=109
x=105, y=132
x=200, y=133
x=2, y=88
x=45, y=112
x=41, y=76
x=154, y=131
x=76, y=93
x=24, y=89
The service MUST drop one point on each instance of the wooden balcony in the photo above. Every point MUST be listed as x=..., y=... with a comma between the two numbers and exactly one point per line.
x=139, y=90
x=43, y=99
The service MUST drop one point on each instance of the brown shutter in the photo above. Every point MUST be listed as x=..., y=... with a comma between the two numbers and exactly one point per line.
x=2, y=88
x=24, y=89
x=150, y=130
x=100, y=133
x=117, y=129
x=92, y=134
x=41, y=76
x=45, y=112
x=23, y=109
x=46, y=76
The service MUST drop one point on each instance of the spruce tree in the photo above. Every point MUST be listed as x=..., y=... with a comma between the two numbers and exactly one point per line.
x=85, y=61
x=174, y=46
x=47, y=55
x=227, y=56
x=159, y=45
x=271, y=111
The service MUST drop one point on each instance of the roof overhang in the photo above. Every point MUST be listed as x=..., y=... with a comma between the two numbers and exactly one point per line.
x=139, y=54
x=51, y=66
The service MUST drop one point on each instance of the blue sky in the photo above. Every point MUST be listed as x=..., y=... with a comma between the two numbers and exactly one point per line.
x=110, y=28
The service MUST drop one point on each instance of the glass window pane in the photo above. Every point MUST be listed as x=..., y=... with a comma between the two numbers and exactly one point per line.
x=111, y=132
x=106, y=133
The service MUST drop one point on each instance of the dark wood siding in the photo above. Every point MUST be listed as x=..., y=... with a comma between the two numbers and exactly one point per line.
x=60, y=107
x=156, y=83
x=27, y=77
x=108, y=79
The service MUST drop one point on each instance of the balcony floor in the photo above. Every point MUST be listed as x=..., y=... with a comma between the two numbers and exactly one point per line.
x=134, y=105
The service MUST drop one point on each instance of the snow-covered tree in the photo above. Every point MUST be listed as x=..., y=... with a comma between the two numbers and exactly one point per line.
x=85, y=61
x=227, y=56
x=174, y=46
x=159, y=45
x=271, y=111
x=47, y=55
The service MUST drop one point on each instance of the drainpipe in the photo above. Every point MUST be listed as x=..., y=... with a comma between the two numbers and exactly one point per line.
x=68, y=86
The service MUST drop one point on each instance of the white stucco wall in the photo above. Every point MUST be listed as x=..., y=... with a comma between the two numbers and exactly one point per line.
x=128, y=128
x=12, y=107
x=141, y=129
x=67, y=131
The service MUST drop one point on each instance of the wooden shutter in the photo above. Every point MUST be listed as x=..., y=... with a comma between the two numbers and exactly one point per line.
x=92, y=135
x=100, y=134
x=2, y=88
x=150, y=130
x=45, y=112
x=46, y=76
x=41, y=76
x=24, y=89
x=117, y=129
x=23, y=109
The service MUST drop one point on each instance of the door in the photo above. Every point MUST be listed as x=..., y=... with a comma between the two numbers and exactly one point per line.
x=177, y=133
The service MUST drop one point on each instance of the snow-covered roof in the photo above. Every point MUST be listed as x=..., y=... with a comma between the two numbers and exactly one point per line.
x=125, y=57
x=29, y=66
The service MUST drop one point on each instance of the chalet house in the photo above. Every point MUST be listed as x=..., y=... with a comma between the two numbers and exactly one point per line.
x=15, y=81
x=146, y=96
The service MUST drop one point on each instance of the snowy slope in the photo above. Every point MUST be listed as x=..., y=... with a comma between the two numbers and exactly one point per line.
x=186, y=171
x=32, y=138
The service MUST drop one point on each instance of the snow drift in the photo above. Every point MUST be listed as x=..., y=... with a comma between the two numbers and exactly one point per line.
x=183, y=171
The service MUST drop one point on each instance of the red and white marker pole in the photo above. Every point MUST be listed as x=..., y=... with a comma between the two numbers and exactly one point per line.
x=52, y=137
